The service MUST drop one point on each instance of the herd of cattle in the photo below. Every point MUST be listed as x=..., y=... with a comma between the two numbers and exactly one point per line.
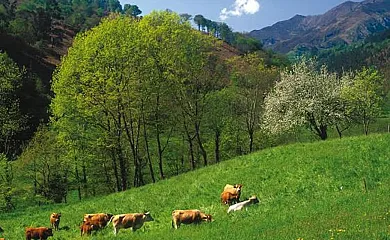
x=93, y=222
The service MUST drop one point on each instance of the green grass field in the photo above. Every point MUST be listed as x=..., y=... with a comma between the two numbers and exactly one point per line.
x=336, y=189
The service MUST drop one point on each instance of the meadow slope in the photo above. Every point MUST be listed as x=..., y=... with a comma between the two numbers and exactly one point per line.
x=336, y=189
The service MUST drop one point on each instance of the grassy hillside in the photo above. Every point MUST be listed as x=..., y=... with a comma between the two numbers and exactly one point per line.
x=337, y=189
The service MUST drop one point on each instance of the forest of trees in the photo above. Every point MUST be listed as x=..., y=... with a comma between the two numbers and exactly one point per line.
x=37, y=21
x=137, y=100
x=222, y=31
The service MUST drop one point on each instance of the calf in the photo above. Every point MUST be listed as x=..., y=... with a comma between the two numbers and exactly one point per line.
x=241, y=205
x=55, y=220
x=130, y=220
x=189, y=216
x=41, y=233
x=100, y=220
x=87, y=228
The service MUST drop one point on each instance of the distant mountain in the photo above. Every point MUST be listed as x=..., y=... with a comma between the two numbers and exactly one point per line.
x=344, y=24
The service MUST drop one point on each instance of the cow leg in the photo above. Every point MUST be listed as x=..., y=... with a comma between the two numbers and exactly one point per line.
x=116, y=230
x=175, y=223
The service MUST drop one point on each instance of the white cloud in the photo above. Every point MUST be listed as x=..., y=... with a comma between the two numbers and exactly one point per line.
x=239, y=8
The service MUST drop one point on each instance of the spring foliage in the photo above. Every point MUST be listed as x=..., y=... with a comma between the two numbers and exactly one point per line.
x=304, y=96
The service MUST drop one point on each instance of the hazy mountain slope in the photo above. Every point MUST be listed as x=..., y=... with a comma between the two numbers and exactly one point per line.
x=345, y=23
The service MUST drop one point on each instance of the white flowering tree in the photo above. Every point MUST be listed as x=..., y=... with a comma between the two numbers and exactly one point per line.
x=304, y=96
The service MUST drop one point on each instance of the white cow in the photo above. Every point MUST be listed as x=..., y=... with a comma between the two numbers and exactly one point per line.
x=241, y=205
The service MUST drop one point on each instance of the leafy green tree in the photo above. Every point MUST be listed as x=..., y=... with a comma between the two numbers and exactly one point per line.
x=185, y=17
x=363, y=94
x=252, y=81
x=131, y=10
x=217, y=116
x=6, y=184
x=12, y=121
x=7, y=11
x=39, y=16
x=44, y=165
x=246, y=44
x=226, y=33
x=304, y=96
x=118, y=82
x=199, y=20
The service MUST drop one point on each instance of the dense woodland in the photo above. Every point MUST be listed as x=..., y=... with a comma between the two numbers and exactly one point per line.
x=140, y=99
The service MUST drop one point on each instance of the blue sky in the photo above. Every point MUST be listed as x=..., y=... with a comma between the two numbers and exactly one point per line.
x=241, y=15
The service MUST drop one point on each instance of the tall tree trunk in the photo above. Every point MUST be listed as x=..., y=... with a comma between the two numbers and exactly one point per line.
x=133, y=139
x=113, y=157
x=78, y=182
x=159, y=147
x=339, y=132
x=85, y=184
x=160, y=152
x=147, y=149
x=202, y=150
x=122, y=166
x=115, y=167
x=320, y=129
x=366, y=123
x=323, y=132
x=108, y=179
x=191, y=146
x=217, y=142
x=251, y=133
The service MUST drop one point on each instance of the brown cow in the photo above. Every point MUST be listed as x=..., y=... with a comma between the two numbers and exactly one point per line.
x=130, y=220
x=55, y=220
x=41, y=233
x=100, y=220
x=87, y=228
x=189, y=216
x=231, y=195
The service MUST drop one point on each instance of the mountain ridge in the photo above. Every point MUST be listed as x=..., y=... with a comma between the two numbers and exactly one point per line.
x=346, y=23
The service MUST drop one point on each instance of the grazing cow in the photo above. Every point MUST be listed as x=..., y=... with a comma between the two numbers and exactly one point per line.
x=87, y=228
x=100, y=220
x=189, y=216
x=55, y=220
x=231, y=194
x=130, y=220
x=241, y=205
x=41, y=233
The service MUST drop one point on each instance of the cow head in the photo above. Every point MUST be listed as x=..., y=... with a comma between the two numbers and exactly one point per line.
x=56, y=215
x=49, y=232
x=238, y=187
x=109, y=216
x=207, y=218
x=254, y=199
x=148, y=217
